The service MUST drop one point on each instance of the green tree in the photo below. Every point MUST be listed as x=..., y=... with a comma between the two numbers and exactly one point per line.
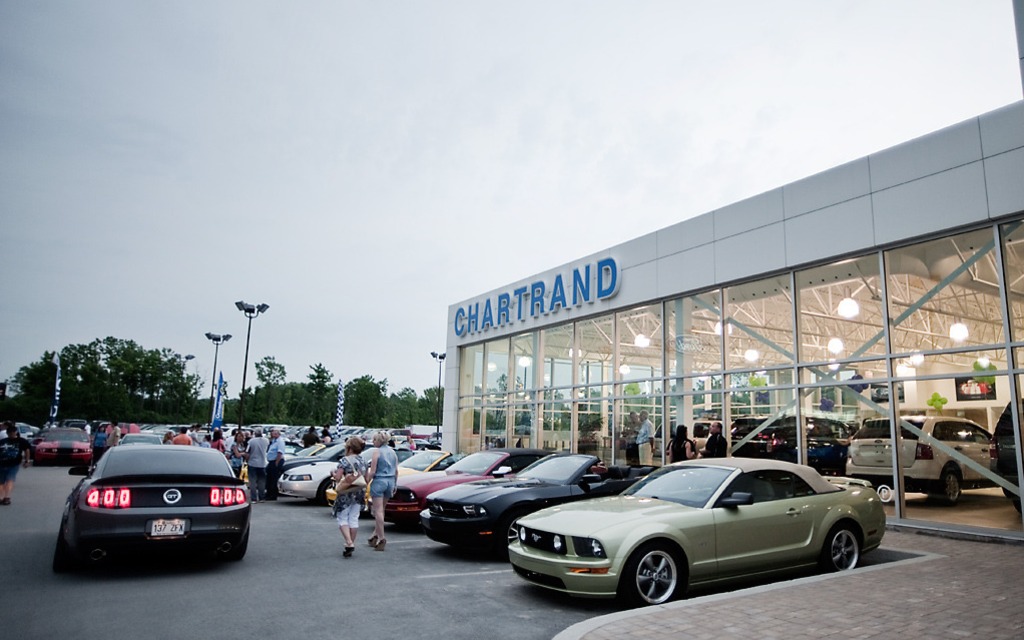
x=271, y=375
x=366, y=402
x=322, y=390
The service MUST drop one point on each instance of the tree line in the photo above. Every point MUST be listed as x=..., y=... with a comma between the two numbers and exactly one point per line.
x=117, y=379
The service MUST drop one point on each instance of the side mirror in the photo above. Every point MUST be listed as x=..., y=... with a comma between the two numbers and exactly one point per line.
x=78, y=471
x=590, y=478
x=736, y=499
x=502, y=471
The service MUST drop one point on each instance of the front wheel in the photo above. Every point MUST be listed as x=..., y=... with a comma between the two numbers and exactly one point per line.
x=651, y=575
x=321, y=491
x=506, y=533
x=841, y=550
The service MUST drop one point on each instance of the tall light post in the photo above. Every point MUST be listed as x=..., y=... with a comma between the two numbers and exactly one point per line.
x=440, y=360
x=217, y=340
x=250, y=311
x=184, y=372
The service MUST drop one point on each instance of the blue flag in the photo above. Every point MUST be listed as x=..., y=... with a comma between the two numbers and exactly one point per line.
x=56, y=392
x=218, y=406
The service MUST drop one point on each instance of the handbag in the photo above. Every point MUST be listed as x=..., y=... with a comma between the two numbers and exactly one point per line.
x=341, y=485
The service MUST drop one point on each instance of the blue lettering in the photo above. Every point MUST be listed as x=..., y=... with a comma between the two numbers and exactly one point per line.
x=558, y=293
x=607, y=288
x=519, y=293
x=473, y=317
x=460, y=322
x=580, y=286
x=503, y=302
x=488, y=319
x=536, y=298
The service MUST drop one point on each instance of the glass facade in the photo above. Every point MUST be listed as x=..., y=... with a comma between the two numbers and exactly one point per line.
x=901, y=367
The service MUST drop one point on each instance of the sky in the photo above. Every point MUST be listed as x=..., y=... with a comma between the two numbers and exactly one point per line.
x=360, y=166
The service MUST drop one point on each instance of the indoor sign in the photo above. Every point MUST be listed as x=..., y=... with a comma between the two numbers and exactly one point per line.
x=586, y=284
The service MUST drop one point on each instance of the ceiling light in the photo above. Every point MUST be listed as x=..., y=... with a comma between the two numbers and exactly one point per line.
x=751, y=355
x=718, y=328
x=624, y=369
x=835, y=346
x=917, y=359
x=958, y=331
x=641, y=341
x=491, y=366
x=833, y=365
x=525, y=361
x=848, y=308
x=983, y=362
x=903, y=371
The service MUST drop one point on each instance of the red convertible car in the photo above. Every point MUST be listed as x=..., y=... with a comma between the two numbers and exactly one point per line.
x=411, y=496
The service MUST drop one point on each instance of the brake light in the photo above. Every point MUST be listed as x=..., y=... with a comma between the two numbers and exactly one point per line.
x=993, y=450
x=924, y=452
x=109, y=498
x=226, y=496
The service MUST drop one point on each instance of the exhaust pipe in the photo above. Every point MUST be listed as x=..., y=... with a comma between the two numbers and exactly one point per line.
x=97, y=554
x=224, y=547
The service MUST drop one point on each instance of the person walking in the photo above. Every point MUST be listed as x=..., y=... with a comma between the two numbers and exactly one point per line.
x=349, y=501
x=256, y=454
x=716, y=446
x=275, y=462
x=382, y=478
x=99, y=445
x=14, y=454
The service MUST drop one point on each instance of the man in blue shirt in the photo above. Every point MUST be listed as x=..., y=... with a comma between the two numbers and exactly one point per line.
x=275, y=462
x=645, y=439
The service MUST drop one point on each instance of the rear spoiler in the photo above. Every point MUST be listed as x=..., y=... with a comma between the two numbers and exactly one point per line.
x=846, y=482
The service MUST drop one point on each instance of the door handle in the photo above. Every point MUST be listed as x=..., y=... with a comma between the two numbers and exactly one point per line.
x=793, y=512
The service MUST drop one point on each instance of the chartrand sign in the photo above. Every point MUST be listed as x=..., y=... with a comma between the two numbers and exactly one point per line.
x=587, y=283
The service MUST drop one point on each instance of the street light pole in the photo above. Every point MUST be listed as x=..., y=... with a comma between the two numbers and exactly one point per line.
x=250, y=311
x=440, y=360
x=217, y=340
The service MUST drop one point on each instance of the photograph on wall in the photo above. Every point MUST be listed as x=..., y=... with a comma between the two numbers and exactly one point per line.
x=975, y=389
x=880, y=392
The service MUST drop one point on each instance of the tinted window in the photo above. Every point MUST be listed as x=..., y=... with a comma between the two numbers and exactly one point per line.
x=521, y=462
x=164, y=460
x=770, y=485
x=477, y=463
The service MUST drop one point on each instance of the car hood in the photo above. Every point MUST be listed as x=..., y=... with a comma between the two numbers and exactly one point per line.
x=323, y=465
x=589, y=516
x=483, y=490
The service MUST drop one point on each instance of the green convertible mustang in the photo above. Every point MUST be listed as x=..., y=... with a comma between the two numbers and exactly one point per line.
x=699, y=522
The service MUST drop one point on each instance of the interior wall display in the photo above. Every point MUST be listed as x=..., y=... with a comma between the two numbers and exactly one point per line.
x=973, y=389
x=880, y=392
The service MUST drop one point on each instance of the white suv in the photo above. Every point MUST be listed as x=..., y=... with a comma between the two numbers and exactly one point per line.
x=926, y=469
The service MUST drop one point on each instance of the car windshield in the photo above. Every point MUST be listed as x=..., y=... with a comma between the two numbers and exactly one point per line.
x=476, y=463
x=556, y=469
x=421, y=460
x=140, y=438
x=163, y=460
x=688, y=485
x=327, y=452
x=71, y=435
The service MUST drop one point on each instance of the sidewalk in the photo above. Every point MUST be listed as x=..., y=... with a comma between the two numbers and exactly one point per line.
x=956, y=588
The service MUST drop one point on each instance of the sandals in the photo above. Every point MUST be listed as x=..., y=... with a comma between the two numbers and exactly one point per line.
x=373, y=541
x=348, y=552
x=5, y=501
x=380, y=545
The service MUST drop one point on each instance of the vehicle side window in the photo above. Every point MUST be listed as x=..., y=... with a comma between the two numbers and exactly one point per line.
x=518, y=463
x=756, y=483
x=980, y=435
x=944, y=431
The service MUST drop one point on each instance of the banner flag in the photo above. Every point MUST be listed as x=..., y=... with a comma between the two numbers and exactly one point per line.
x=218, y=406
x=339, y=417
x=56, y=392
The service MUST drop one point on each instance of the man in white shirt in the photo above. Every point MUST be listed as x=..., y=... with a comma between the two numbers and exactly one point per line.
x=256, y=454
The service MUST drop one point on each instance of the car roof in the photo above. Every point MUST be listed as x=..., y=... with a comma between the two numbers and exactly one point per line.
x=746, y=465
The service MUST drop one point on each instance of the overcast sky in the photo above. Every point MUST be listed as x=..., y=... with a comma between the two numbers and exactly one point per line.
x=360, y=166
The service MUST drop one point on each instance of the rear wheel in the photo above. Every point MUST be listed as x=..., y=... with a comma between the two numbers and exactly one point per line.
x=63, y=557
x=841, y=551
x=651, y=575
x=949, y=488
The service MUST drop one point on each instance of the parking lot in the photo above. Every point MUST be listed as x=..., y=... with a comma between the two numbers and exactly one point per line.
x=292, y=583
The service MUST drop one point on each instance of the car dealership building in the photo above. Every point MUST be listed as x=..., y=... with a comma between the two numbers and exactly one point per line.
x=889, y=288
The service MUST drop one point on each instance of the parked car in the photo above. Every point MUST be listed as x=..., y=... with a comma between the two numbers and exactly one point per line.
x=63, y=446
x=1003, y=454
x=154, y=498
x=426, y=460
x=73, y=423
x=698, y=522
x=481, y=514
x=827, y=441
x=940, y=472
x=411, y=495
x=140, y=438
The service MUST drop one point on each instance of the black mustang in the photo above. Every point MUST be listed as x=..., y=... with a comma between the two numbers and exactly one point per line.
x=479, y=515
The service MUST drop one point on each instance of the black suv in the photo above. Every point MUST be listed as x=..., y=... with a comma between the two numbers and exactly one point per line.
x=1003, y=452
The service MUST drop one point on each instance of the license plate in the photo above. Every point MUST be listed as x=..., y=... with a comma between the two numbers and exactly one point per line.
x=159, y=528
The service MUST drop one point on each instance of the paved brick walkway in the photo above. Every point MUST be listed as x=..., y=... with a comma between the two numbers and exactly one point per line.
x=956, y=589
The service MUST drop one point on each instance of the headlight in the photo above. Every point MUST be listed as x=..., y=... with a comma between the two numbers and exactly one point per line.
x=305, y=477
x=474, y=510
x=588, y=547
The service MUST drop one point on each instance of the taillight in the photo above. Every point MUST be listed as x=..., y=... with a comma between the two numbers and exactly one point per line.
x=993, y=450
x=924, y=452
x=226, y=496
x=109, y=498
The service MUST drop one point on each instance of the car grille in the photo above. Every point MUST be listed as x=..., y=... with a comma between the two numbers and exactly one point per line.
x=540, y=578
x=403, y=495
x=542, y=540
x=446, y=509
